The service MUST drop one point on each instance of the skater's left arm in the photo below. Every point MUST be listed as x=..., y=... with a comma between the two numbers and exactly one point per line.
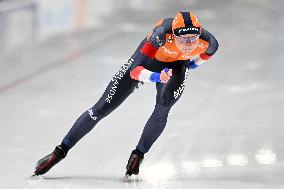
x=211, y=50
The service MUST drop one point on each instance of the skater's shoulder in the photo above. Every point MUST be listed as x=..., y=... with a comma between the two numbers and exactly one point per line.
x=165, y=23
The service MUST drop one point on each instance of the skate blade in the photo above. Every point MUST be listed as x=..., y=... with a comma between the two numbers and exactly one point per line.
x=33, y=175
x=128, y=178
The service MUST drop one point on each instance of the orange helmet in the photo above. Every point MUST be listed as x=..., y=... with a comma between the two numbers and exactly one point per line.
x=185, y=23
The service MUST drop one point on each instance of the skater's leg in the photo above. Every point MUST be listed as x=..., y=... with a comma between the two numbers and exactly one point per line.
x=153, y=128
x=120, y=87
x=167, y=95
x=117, y=91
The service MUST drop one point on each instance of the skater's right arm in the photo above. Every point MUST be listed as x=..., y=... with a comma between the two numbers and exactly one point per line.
x=147, y=54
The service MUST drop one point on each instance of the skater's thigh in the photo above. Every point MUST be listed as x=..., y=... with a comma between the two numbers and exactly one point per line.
x=118, y=89
x=168, y=94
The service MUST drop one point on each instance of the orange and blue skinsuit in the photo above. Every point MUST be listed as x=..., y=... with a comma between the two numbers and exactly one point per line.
x=155, y=53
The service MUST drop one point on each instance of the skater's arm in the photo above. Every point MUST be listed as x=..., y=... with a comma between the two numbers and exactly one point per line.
x=141, y=61
x=147, y=54
x=211, y=50
x=142, y=74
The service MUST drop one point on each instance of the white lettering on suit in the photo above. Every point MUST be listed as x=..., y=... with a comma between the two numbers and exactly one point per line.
x=179, y=91
x=115, y=80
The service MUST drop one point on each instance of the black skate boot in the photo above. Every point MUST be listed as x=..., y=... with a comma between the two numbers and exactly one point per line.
x=47, y=162
x=134, y=162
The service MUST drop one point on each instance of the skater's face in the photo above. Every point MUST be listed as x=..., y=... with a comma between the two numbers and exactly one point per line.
x=187, y=43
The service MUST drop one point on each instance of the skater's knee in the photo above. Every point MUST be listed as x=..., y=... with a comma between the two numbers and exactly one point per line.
x=95, y=114
x=161, y=112
x=161, y=108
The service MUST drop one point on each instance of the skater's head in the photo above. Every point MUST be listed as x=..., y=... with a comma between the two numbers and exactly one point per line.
x=186, y=29
x=185, y=23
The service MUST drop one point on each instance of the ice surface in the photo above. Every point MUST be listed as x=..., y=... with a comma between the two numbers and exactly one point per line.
x=225, y=132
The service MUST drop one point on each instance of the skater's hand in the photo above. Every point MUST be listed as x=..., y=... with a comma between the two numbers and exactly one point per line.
x=165, y=75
